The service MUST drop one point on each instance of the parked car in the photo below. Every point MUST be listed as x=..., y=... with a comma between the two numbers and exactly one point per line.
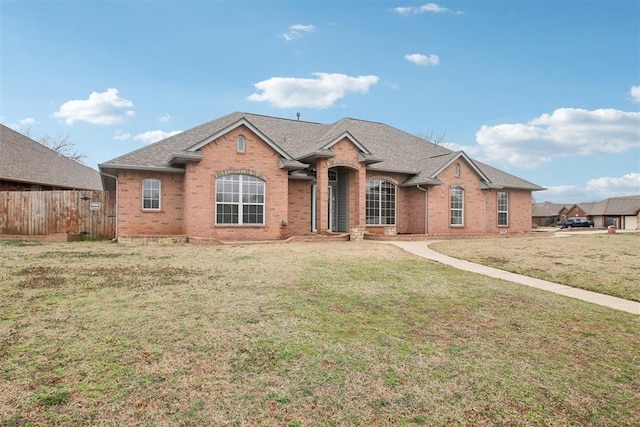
x=575, y=222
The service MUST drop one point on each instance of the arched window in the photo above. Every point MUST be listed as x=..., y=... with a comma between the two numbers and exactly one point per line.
x=457, y=207
x=381, y=202
x=241, y=144
x=457, y=170
x=151, y=194
x=239, y=200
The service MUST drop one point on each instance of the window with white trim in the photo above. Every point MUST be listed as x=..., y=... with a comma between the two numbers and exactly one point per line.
x=381, y=202
x=457, y=207
x=503, y=209
x=241, y=144
x=151, y=194
x=457, y=170
x=239, y=200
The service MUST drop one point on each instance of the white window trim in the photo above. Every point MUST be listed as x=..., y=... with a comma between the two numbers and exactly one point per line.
x=241, y=144
x=144, y=181
x=451, y=208
x=379, y=215
x=505, y=211
x=240, y=204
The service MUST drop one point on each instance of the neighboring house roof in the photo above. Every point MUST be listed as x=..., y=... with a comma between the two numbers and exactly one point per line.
x=629, y=205
x=382, y=148
x=25, y=160
x=547, y=209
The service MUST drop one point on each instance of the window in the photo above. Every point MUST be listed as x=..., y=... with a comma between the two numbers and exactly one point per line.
x=239, y=200
x=457, y=207
x=151, y=194
x=457, y=170
x=503, y=209
x=381, y=202
x=241, y=144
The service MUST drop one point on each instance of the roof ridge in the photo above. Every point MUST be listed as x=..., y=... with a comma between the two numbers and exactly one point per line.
x=277, y=118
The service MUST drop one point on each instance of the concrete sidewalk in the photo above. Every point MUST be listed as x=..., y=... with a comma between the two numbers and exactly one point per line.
x=421, y=248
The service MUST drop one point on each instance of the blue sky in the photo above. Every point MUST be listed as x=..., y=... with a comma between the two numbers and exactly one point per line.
x=546, y=90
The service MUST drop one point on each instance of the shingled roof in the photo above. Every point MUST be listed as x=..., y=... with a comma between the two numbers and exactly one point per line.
x=387, y=149
x=27, y=161
x=548, y=209
x=629, y=205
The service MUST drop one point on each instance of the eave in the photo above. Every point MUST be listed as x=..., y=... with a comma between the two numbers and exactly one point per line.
x=117, y=167
x=185, y=157
x=428, y=181
x=492, y=186
x=291, y=165
x=368, y=159
x=317, y=155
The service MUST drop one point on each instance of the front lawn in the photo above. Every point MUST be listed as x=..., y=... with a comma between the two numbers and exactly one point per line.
x=603, y=263
x=299, y=334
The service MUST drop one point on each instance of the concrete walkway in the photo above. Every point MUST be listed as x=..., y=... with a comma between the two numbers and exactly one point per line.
x=421, y=248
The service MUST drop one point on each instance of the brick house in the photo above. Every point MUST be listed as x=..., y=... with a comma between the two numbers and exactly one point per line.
x=251, y=177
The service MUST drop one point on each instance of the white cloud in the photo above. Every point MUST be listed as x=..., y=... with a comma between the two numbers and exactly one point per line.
x=20, y=124
x=424, y=60
x=121, y=136
x=154, y=136
x=593, y=190
x=105, y=108
x=165, y=118
x=297, y=31
x=625, y=185
x=634, y=93
x=566, y=132
x=425, y=8
x=562, y=194
x=320, y=92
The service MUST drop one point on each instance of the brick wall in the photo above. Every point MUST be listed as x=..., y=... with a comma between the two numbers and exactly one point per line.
x=299, y=207
x=480, y=206
x=135, y=221
x=220, y=157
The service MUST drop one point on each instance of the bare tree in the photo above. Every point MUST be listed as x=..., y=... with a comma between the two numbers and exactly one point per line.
x=64, y=145
x=431, y=137
x=61, y=144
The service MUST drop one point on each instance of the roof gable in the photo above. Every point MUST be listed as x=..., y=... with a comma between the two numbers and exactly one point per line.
x=240, y=122
x=347, y=135
x=457, y=156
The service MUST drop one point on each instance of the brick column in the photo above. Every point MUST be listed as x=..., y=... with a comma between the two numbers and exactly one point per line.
x=322, y=196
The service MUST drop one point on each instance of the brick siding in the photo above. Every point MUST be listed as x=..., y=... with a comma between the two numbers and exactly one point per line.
x=188, y=200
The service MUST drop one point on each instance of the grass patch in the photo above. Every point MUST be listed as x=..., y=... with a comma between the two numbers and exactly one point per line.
x=608, y=264
x=19, y=243
x=298, y=334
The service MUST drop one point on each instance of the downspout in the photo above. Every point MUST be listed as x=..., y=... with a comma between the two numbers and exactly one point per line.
x=426, y=209
x=115, y=239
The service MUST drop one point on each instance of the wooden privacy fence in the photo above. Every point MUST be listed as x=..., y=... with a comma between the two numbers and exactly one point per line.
x=90, y=213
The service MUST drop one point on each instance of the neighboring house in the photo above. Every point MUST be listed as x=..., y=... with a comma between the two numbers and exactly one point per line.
x=251, y=177
x=26, y=165
x=547, y=213
x=621, y=212
x=577, y=211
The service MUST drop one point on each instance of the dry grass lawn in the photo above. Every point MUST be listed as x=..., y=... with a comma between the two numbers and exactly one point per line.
x=299, y=334
x=605, y=263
